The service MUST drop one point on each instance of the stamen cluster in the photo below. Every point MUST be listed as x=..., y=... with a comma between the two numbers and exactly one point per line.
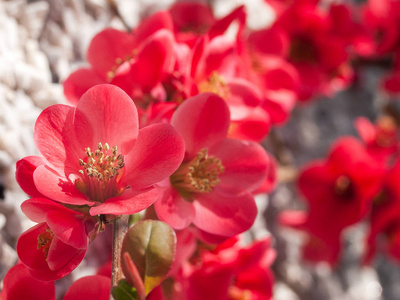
x=200, y=175
x=101, y=164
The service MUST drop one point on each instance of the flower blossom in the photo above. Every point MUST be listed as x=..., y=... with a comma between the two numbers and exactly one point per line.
x=95, y=154
x=55, y=246
x=212, y=187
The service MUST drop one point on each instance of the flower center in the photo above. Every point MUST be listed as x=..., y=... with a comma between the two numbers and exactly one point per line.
x=44, y=240
x=344, y=187
x=215, y=84
x=100, y=173
x=302, y=50
x=200, y=175
x=235, y=293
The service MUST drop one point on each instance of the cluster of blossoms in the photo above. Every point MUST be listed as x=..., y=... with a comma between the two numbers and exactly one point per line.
x=168, y=118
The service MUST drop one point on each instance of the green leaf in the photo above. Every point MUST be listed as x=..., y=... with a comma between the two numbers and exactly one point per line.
x=151, y=245
x=124, y=291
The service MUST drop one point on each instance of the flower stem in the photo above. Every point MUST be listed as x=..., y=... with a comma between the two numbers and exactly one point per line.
x=120, y=228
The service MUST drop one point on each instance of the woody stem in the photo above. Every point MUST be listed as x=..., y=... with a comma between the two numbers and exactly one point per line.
x=120, y=228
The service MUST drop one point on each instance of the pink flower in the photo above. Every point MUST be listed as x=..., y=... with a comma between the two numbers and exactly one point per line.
x=55, y=246
x=95, y=154
x=212, y=187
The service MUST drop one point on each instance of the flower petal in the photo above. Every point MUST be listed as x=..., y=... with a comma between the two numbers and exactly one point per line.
x=225, y=216
x=55, y=139
x=19, y=284
x=202, y=121
x=158, y=152
x=172, y=209
x=130, y=202
x=106, y=114
x=246, y=166
x=60, y=254
x=89, y=287
x=57, y=187
x=36, y=209
x=27, y=249
x=79, y=82
x=68, y=228
x=108, y=46
x=24, y=174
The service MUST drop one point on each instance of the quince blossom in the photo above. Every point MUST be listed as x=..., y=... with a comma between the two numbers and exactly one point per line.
x=212, y=187
x=95, y=154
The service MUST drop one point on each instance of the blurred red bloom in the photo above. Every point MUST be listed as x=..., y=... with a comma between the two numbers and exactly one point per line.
x=339, y=192
x=95, y=154
x=236, y=272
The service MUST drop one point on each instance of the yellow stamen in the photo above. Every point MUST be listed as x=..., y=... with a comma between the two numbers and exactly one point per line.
x=215, y=84
x=200, y=175
x=100, y=172
x=44, y=241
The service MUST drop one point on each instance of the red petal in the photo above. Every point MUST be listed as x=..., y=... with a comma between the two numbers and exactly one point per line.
x=106, y=47
x=153, y=61
x=202, y=121
x=68, y=228
x=36, y=208
x=79, y=82
x=55, y=139
x=158, y=152
x=90, y=287
x=225, y=216
x=172, y=209
x=58, y=188
x=24, y=174
x=19, y=284
x=157, y=21
x=130, y=202
x=246, y=166
x=27, y=250
x=106, y=114
x=60, y=254
x=49, y=275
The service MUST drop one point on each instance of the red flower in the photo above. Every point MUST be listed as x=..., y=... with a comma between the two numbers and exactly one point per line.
x=342, y=187
x=96, y=155
x=212, y=187
x=193, y=19
x=236, y=272
x=339, y=192
x=382, y=18
x=385, y=218
x=381, y=138
x=19, y=284
x=55, y=246
x=133, y=61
